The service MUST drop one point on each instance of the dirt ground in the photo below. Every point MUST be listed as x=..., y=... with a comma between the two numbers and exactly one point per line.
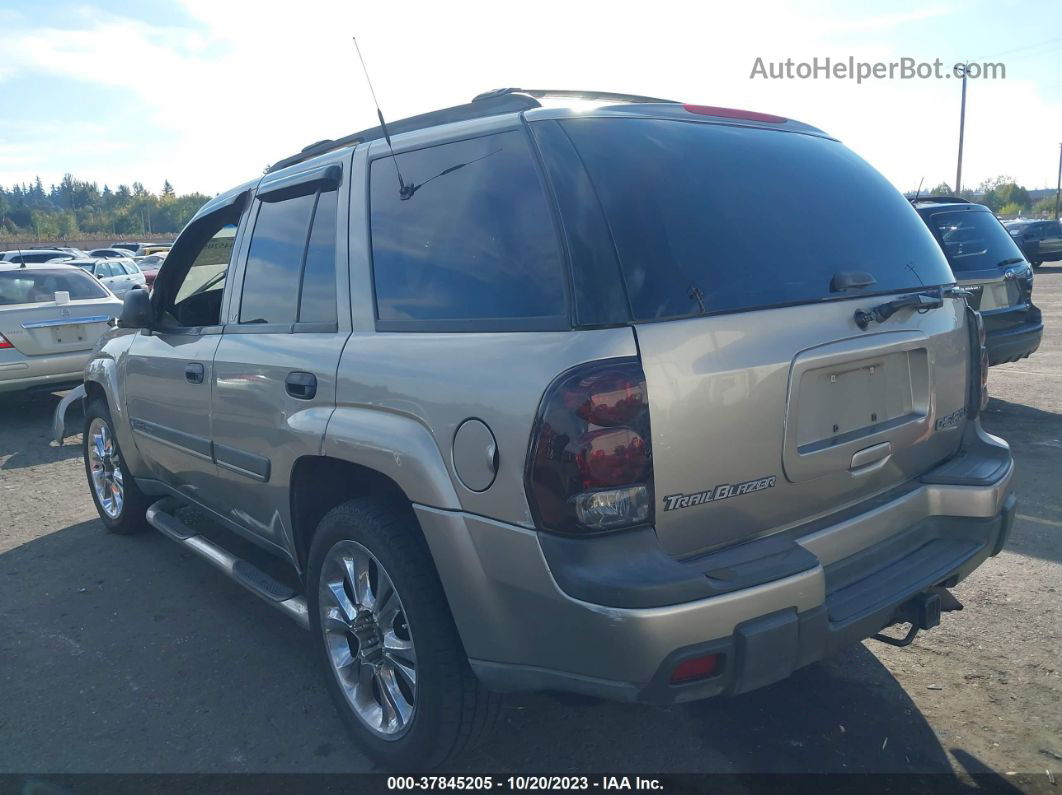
x=130, y=655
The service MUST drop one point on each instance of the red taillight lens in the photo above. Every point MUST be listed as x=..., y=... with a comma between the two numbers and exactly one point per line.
x=4, y=343
x=695, y=668
x=590, y=465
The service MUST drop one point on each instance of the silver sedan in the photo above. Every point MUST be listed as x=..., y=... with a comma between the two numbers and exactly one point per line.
x=51, y=316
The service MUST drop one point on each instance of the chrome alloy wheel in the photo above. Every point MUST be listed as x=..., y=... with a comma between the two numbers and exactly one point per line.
x=106, y=468
x=367, y=639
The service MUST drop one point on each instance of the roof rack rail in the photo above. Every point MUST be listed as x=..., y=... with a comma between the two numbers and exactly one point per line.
x=540, y=93
x=506, y=102
x=939, y=199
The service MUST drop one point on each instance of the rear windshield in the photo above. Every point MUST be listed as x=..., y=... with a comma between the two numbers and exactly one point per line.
x=729, y=218
x=973, y=240
x=40, y=286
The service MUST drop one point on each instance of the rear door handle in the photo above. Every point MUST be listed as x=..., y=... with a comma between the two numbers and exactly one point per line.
x=301, y=385
x=193, y=373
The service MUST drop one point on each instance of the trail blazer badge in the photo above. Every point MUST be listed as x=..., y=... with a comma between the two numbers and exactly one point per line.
x=721, y=492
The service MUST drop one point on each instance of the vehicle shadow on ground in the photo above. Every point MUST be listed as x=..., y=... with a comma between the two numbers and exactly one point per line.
x=128, y=654
x=25, y=430
x=1035, y=438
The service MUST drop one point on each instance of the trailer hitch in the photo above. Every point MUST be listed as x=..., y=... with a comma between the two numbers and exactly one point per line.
x=921, y=612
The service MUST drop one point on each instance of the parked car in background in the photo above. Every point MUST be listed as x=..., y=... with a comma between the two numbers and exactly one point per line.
x=986, y=262
x=76, y=252
x=111, y=253
x=1039, y=241
x=540, y=422
x=147, y=251
x=150, y=265
x=50, y=318
x=36, y=255
x=129, y=246
x=120, y=275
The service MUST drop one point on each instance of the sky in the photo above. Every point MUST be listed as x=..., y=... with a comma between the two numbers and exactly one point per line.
x=206, y=93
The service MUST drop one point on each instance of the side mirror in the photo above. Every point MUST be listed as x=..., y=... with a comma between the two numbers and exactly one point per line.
x=136, y=310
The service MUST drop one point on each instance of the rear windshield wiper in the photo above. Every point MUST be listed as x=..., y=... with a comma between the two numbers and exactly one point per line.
x=1011, y=261
x=922, y=302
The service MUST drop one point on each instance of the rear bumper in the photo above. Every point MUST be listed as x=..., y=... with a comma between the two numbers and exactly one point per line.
x=526, y=617
x=42, y=372
x=1017, y=342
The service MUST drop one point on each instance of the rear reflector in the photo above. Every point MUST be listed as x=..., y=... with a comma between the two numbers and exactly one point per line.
x=731, y=113
x=4, y=343
x=694, y=668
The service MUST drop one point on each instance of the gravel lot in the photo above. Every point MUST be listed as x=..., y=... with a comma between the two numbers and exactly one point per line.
x=130, y=655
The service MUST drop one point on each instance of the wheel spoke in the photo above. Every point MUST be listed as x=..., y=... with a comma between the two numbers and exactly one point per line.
x=357, y=569
x=386, y=603
x=341, y=600
x=403, y=669
x=334, y=621
x=395, y=646
x=396, y=708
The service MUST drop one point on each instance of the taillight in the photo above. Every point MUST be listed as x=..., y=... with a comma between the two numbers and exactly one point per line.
x=590, y=468
x=4, y=343
x=978, y=364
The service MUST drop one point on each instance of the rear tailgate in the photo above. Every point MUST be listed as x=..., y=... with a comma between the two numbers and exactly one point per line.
x=745, y=252
x=753, y=432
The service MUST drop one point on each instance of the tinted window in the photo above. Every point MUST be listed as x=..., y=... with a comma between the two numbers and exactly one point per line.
x=198, y=299
x=274, y=261
x=973, y=240
x=39, y=286
x=104, y=269
x=318, y=300
x=130, y=268
x=738, y=218
x=475, y=241
x=1052, y=230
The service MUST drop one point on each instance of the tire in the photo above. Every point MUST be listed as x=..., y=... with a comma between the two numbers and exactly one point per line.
x=104, y=467
x=446, y=710
x=1036, y=264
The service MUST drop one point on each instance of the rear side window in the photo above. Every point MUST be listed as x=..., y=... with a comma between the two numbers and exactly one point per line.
x=26, y=286
x=974, y=240
x=712, y=218
x=290, y=273
x=474, y=247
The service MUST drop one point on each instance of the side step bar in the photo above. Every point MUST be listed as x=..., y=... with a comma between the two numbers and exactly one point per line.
x=161, y=517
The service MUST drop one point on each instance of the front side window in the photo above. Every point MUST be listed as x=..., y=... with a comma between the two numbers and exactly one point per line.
x=474, y=246
x=290, y=274
x=191, y=295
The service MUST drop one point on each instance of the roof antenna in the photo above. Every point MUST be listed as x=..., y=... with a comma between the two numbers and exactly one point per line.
x=404, y=191
x=21, y=259
x=919, y=191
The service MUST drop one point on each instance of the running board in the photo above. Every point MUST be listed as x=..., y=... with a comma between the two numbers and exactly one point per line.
x=160, y=516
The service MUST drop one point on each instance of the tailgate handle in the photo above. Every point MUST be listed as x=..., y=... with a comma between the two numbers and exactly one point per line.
x=871, y=459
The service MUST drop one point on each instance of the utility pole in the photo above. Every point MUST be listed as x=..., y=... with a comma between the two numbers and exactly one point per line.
x=1058, y=190
x=962, y=130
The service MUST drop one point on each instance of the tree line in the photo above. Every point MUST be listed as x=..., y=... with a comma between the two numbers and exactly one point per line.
x=76, y=208
x=1003, y=196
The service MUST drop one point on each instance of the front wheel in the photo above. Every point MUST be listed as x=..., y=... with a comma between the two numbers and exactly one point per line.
x=394, y=663
x=120, y=503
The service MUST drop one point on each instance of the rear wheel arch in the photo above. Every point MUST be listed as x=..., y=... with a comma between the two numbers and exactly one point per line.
x=320, y=483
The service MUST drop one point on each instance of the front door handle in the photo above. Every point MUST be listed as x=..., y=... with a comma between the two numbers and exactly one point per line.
x=193, y=373
x=301, y=385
